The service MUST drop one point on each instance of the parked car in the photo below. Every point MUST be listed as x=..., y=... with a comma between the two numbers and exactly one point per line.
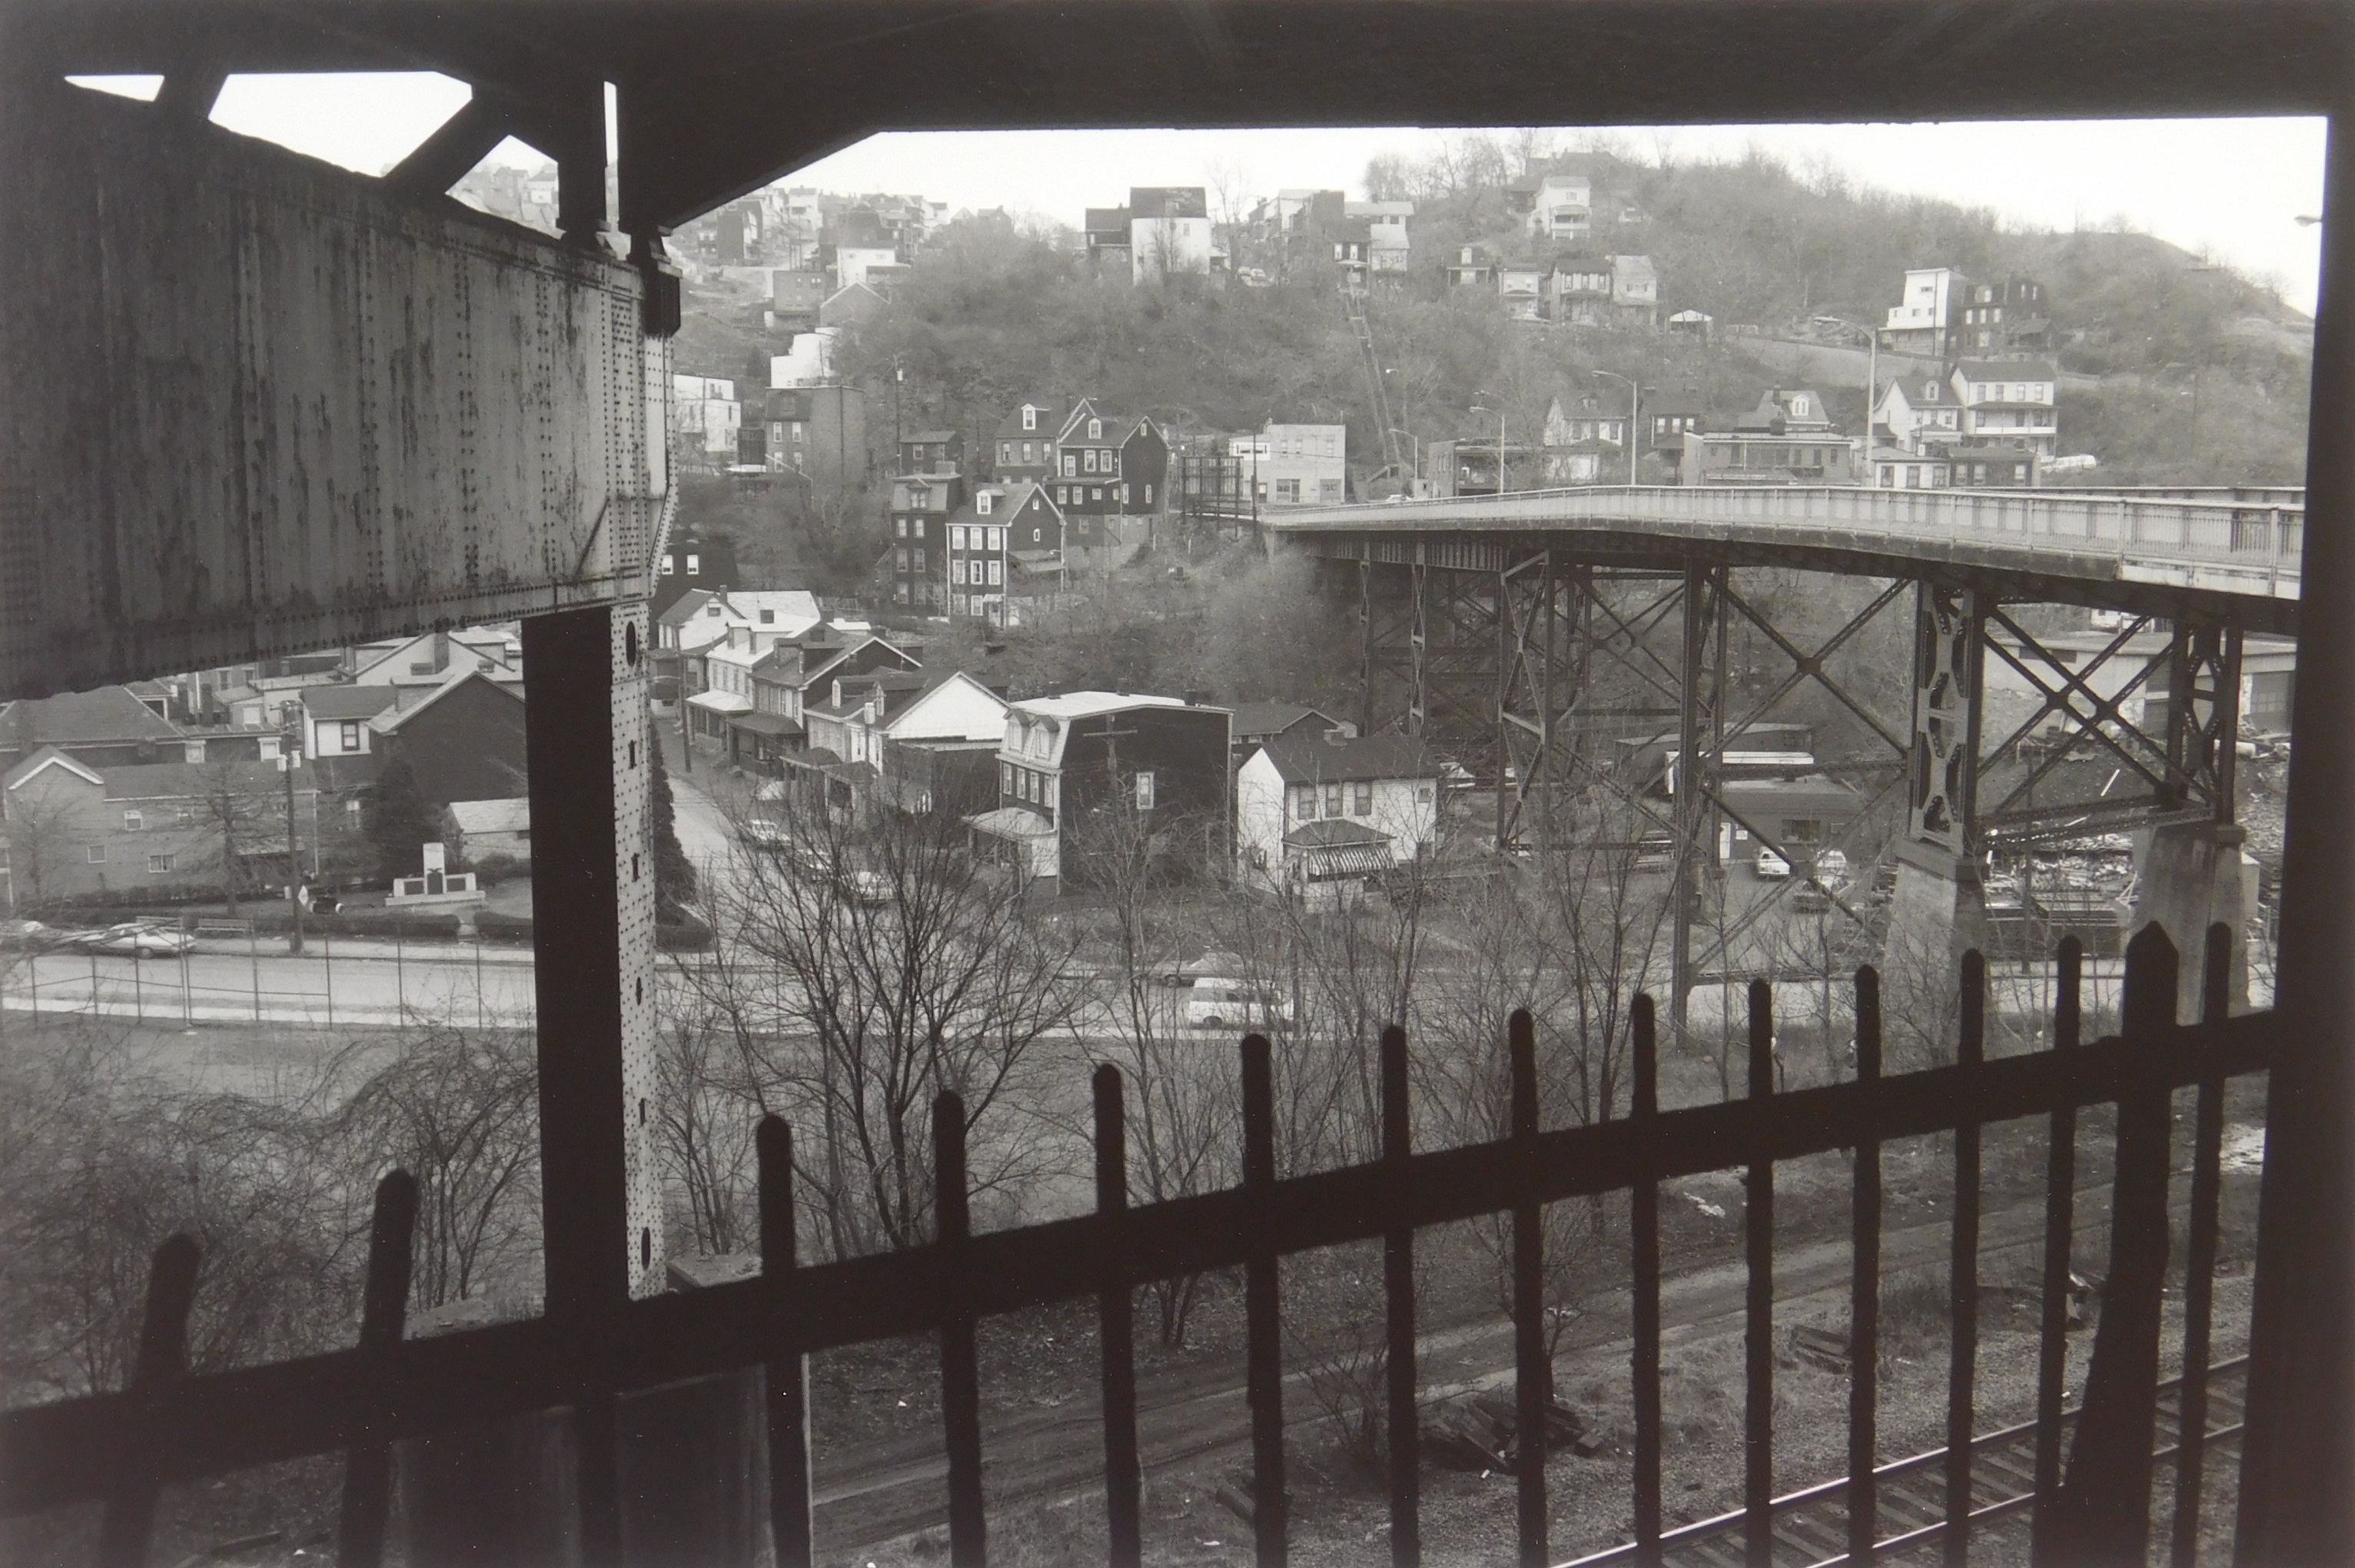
x=30, y=935
x=762, y=834
x=1772, y=866
x=1229, y=1004
x=867, y=887
x=138, y=939
x=1830, y=868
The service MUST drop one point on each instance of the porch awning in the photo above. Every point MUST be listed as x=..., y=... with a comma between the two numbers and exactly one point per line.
x=723, y=702
x=765, y=724
x=1011, y=822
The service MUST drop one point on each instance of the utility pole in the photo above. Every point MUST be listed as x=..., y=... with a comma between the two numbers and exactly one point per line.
x=289, y=759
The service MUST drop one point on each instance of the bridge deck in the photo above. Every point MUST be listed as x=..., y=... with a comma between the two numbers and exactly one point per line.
x=2108, y=547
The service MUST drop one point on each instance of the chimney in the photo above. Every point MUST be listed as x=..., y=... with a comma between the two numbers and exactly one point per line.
x=440, y=649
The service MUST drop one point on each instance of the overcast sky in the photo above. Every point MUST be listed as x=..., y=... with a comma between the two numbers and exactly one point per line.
x=2234, y=188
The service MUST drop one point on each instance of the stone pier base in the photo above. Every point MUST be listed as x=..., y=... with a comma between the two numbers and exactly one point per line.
x=2194, y=875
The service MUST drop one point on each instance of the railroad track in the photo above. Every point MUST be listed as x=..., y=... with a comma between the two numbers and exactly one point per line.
x=1811, y=1525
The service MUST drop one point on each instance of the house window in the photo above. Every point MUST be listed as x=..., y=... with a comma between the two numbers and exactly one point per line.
x=1030, y=421
x=1144, y=791
x=1149, y=494
x=1027, y=455
x=1333, y=800
x=133, y=822
x=95, y=854
x=670, y=565
x=159, y=865
x=997, y=573
x=350, y=739
x=1287, y=489
x=1095, y=430
x=1006, y=451
x=1095, y=492
x=981, y=502
x=1422, y=793
x=997, y=537
x=1071, y=465
x=957, y=571
x=1088, y=460
x=957, y=602
x=957, y=538
x=1063, y=495
x=916, y=531
x=1304, y=803
x=920, y=559
x=899, y=525
x=1006, y=778
x=694, y=565
x=1364, y=803
x=351, y=812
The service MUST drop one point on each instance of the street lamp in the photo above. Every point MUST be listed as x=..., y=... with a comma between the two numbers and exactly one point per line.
x=1480, y=409
x=1635, y=414
x=1871, y=376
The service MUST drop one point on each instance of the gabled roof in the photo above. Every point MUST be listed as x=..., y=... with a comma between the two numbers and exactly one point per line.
x=387, y=724
x=1072, y=705
x=347, y=701
x=1334, y=833
x=1050, y=417
x=1254, y=719
x=1307, y=759
x=43, y=760
x=512, y=814
x=491, y=645
x=105, y=713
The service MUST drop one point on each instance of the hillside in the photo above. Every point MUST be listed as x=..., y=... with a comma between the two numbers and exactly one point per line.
x=2176, y=371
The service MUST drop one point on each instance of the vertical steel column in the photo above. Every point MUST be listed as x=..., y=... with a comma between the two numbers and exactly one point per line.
x=2203, y=715
x=1418, y=642
x=585, y=734
x=1510, y=642
x=1948, y=638
x=1699, y=737
x=1365, y=641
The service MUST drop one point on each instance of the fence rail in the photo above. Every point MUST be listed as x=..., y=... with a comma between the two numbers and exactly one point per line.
x=120, y=1446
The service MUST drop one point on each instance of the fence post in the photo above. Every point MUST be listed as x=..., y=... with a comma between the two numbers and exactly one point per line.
x=1644, y=1225
x=1963, y=1277
x=130, y=1519
x=1864, y=1294
x=1398, y=1292
x=1758, y=1221
x=1263, y=1346
x=2199, y=1262
x=960, y=1370
x=786, y=1369
x=1115, y=1317
x=2060, y=1223
x=384, y=1311
x=2102, y=1519
x=1532, y=1373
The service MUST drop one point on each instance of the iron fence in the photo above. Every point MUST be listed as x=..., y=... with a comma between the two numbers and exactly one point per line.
x=2093, y=1503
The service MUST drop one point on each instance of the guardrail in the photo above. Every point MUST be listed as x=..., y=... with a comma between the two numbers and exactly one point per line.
x=2260, y=532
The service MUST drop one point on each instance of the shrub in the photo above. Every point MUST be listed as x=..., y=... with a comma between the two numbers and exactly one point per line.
x=493, y=926
x=497, y=867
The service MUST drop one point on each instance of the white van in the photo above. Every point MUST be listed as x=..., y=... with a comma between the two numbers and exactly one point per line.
x=1230, y=1004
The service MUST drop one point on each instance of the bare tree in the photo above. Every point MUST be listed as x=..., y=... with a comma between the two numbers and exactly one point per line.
x=459, y=1110
x=238, y=818
x=703, y=1121
x=40, y=843
x=876, y=962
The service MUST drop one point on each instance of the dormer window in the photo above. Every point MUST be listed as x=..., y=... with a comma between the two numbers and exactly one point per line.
x=1095, y=430
x=1029, y=416
x=981, y=502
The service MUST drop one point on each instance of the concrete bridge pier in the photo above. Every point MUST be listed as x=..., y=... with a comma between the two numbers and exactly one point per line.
x=2194, y=875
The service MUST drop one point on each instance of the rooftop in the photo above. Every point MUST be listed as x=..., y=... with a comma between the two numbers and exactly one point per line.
x=1089, y=704
x=1310, y=759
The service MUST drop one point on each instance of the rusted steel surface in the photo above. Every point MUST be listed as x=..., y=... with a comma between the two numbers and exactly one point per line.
x=256, y=404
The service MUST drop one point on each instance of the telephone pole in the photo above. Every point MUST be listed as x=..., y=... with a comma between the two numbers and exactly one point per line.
x=289, y=759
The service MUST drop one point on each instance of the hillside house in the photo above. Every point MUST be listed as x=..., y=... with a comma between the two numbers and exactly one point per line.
x=2004, y=318
x=1026, y=440
x=1521, y=286
x=690, y=561
x=932, y=737
x=1919, y=413
x=1005, y=553
x=921, y=505
x=335, y=718
x=1562, y=207
x=463, y=739
x=1582, y=444
x=2008, y=403
x=932, y=451
x=1297, y=465
x=1316, y=815
x=1084, y=776
x=1258, y=724
x=1578, y=291
x=1475, y=267
x=1923, y=320
x=1107, y=465
x=1169, y=232
x=1634, y=292
x=817, y=434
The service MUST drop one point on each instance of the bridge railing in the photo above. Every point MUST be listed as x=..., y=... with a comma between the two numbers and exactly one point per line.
x=2264, y=528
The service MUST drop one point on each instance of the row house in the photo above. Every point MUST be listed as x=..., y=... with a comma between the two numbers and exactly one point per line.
x=698, y=620
x=1089, y=777
x=1583, y=444
x=690, y=561
x=1602, y=291
x=762, y=720
x=921, y=506
x=1788, y=438
x=1025, y=439
x=1107, y=465
x=705, y=420
x=1005, y=553
x=924, y=740
x=74, y=831
x=2008, y=403
x=1296, y=464
x=932, y=451
x=815, y=432
x=2007, y=317
x=1316, y=815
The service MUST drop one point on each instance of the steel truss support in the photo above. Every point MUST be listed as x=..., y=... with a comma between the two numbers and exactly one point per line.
x=2203, y=716
x=1943, y=768
x=1700, y=742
